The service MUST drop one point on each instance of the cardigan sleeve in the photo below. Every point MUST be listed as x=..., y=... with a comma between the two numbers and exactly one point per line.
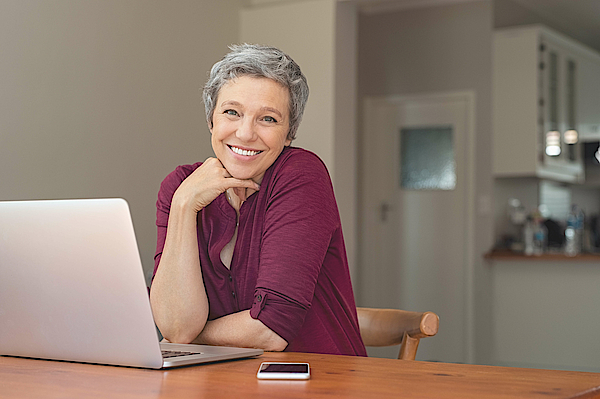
x=163, y=205
x=300, y=219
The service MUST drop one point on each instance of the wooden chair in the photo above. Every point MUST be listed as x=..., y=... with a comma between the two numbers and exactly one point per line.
x=387, y=327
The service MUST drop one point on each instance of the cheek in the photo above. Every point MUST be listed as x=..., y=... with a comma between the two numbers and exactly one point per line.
x=218, y=132
x=214, y=141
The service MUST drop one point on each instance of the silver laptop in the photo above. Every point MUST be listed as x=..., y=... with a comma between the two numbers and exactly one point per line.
x=72, y=288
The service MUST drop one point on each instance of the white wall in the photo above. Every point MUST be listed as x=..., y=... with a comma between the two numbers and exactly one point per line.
x=101, y=98
x=345, y=129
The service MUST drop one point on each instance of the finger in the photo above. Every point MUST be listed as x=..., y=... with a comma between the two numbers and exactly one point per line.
x=233, y=182
x=214, y=167
x=216, y=163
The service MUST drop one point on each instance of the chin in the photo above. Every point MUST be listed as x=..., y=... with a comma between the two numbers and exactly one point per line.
x=241, y=171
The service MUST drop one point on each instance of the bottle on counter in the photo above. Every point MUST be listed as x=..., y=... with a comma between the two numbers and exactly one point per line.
x=540, y=234
x=574, y=232
x=579, y=232
x=528, y=236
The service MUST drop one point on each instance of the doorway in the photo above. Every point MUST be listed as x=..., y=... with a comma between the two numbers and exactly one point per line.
x=417, y=214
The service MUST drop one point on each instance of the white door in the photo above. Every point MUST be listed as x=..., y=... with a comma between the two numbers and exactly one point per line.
x=416, y=214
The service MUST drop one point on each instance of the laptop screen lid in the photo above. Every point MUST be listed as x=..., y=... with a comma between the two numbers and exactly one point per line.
x=72, y=286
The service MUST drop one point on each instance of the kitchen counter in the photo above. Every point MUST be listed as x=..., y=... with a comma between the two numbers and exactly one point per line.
x=545, y=310
x=507, y=255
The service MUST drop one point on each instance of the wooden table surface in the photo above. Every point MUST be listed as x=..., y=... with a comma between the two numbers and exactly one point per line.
x=332, y=376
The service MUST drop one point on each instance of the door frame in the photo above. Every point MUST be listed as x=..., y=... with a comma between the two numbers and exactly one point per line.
x=370, y=104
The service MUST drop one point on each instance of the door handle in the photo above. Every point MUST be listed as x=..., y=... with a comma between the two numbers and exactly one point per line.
x=384, y=209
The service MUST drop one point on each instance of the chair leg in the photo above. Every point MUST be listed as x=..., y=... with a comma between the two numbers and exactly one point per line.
x=408, y=348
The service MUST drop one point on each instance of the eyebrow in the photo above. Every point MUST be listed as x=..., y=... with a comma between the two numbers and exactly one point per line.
x=274, y=110
x=237, y=104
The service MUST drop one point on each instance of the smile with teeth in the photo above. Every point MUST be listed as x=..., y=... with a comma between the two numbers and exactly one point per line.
x=247, y=153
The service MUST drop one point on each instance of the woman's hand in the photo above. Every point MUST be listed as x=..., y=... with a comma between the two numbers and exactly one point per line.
x=206, y=183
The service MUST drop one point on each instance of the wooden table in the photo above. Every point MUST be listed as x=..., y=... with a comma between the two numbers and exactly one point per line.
x=332, y=376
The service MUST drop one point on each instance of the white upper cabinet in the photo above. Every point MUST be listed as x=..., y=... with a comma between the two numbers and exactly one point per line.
x=546, y=100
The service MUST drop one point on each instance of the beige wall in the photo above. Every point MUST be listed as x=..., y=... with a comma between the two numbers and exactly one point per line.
x=101, y=98
x=284, y=25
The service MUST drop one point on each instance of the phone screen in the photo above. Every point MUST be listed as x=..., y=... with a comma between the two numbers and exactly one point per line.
x=283, y=371
x=284, y=368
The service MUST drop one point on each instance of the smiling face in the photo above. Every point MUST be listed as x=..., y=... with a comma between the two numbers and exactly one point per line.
x=250, y=126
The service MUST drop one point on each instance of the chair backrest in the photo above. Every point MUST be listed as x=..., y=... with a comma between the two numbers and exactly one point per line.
x=387, y=327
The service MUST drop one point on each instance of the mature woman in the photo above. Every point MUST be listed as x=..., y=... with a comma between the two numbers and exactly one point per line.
x=250, y=250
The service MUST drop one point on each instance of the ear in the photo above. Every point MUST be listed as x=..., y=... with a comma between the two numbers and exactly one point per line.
x=288, y=140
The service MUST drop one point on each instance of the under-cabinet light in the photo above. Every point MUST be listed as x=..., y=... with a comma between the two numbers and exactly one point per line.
x=571, y=136
x=553, y=143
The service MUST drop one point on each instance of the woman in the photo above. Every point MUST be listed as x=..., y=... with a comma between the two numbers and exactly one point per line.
x=250, y=250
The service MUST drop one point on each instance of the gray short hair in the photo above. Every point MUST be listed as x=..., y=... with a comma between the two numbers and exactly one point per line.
x=258, y=61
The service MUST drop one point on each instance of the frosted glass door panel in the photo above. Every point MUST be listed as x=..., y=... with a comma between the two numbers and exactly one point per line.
x=427, y=159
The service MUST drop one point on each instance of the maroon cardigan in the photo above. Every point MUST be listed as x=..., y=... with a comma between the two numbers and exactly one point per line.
x=289, y=265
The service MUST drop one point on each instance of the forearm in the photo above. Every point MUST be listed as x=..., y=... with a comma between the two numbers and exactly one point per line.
x=240, y=329
x=178, y=297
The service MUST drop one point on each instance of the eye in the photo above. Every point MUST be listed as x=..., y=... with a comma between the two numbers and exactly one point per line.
x=269, y=119
x=231, y=112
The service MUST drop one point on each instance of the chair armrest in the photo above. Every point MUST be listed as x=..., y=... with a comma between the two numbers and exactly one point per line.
x=386, y=327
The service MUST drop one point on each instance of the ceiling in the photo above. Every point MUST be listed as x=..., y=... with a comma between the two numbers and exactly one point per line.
x=579, y=19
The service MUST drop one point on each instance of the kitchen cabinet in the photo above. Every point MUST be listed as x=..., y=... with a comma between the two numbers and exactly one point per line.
x=589, y=98
x=546, y=99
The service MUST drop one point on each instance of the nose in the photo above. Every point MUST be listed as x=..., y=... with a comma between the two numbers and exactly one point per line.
x=246, y=131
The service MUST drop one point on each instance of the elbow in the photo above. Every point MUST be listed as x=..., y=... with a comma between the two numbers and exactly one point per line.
x=277, y=348
x=264, y=338
x=276, y=344
x=179, y=332
x=180, y=337
x=177, y=327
